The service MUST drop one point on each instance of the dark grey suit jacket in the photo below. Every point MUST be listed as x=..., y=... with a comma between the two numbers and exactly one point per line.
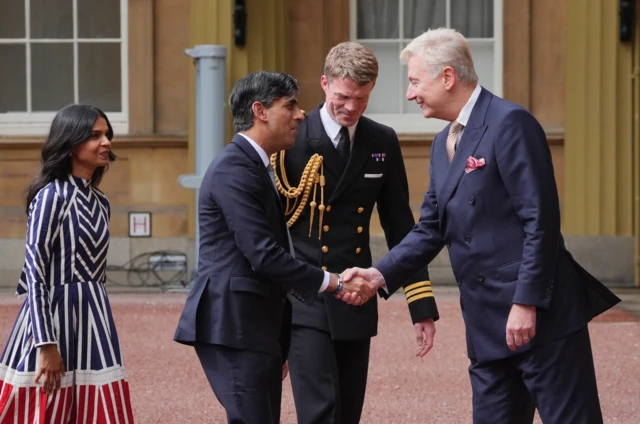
x=244, y=269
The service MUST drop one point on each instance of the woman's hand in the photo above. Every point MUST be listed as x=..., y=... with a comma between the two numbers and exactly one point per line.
x=51, y=367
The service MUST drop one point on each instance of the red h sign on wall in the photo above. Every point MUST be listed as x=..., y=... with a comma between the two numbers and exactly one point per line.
x=139, y=224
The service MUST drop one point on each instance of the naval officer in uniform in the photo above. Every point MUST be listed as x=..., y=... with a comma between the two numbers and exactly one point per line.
x=341, y=167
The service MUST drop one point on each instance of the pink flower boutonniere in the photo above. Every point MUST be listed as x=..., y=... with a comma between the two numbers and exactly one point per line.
x=473, y=163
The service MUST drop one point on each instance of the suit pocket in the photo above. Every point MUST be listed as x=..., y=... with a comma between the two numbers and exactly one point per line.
x=509, y=271
x=245, y=284
x=476, y=173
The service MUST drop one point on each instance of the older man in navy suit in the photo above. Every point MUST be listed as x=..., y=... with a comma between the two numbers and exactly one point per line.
x=236, y=310
x=493, y=202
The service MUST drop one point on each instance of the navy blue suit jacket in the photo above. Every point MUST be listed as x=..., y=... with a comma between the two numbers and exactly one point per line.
x=501, y=224
x=244, y=269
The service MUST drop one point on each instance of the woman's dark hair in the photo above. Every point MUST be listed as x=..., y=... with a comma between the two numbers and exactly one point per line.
x=71, y=127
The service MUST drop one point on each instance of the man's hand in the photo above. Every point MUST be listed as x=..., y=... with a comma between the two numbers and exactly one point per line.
x=372, y=275
x=521, y=325
x=365, y=281
x=357, y=291
x=425, y=333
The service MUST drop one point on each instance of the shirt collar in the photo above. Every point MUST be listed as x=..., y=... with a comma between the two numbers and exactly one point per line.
x=465, y=113
x=331, y=127
x=257, y=148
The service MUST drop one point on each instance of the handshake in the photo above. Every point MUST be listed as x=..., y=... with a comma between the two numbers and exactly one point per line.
x=356, y=286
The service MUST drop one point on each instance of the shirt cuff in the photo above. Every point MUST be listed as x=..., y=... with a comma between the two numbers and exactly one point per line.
x=325, y=282
x=384, y=285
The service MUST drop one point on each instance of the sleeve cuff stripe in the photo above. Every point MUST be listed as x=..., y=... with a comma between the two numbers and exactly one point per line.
x=416, y=285
x=420, y=290
x=420, y=296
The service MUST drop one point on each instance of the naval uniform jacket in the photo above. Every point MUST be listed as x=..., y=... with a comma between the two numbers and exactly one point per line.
x=375, y=176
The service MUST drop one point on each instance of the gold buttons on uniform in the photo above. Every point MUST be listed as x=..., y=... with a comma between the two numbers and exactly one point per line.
x=325, y=228
x=360, y=210
x=324, y=268
x=359, y=229
x=358, y=250
x=325, y=249
x=328, y=209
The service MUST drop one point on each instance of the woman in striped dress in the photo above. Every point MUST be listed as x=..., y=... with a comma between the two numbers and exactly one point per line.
x=62, y=362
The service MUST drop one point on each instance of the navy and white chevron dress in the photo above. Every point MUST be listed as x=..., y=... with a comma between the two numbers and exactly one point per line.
x=66, y=303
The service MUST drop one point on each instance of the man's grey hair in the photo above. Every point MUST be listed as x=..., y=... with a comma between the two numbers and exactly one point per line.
x=443, y=47
x=264, y=87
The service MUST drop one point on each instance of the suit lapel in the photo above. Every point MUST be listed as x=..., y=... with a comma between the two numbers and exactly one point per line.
x=321, y=144
x=467, y=146
x=363, y=143
x=266, y=178
x=261, y=169
x=439, y=159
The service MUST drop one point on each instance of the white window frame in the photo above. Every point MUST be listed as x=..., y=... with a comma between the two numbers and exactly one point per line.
x=38, y=123
x=409, y=123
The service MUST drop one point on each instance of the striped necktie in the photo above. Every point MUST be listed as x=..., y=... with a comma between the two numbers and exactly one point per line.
x=452, y=139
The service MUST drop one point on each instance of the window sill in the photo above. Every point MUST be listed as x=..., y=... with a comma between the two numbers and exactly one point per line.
x=125, y=141
x=39, y=123
x=555, y=137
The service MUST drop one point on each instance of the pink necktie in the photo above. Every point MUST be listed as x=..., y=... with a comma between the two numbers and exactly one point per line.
x=452, y=139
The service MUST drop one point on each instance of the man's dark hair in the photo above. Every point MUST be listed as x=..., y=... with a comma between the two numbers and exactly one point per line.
x=264, y=87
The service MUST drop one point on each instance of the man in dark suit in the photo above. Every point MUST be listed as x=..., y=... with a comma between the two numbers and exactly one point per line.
x=234, y=312
x=361, y=166
x=493, y=202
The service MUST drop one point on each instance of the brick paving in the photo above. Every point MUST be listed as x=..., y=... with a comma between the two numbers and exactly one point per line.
x=168, y=385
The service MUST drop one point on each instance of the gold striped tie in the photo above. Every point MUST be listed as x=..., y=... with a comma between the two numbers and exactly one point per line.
x=452, y=139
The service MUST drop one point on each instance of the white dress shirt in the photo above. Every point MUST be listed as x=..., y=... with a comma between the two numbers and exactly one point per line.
x=332, y=128
x=465, y=113
x=265, y=160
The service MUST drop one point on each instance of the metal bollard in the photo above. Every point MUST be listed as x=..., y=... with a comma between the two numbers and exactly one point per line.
x=210, y=65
